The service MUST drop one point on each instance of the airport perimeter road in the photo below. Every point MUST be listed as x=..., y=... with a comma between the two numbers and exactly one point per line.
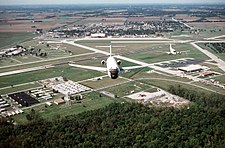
x=221, y=63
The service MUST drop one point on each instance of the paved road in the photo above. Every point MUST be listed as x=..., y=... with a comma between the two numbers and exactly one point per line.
x=221, y=63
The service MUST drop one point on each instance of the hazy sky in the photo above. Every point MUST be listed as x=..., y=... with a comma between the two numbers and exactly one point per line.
x=10, y=2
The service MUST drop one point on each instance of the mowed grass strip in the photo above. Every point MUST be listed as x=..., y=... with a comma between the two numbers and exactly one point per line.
x=18, y=88
x=158, y=54
x=49, y=62
x=69, y=72
x=127, y=88
x=8, y=39
x=105, y=82
x=165, y=84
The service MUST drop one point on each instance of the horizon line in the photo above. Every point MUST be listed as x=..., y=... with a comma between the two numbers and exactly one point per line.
x=185, y=3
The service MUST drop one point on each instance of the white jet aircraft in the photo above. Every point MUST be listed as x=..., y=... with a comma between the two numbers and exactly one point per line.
x=112, y=66
x=173, y=51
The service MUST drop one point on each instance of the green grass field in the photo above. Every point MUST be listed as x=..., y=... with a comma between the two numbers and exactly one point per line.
x=71, y=73
x=106, y=81
x=220, y=55
x=27, y=58
x=213, y=67
x=165, y=84
x=158, y=75
x=18, y=88
x=9, y=39
x=211, y=87
x=74, y=49
x=97, y=62
x=92, y=101
x=210, y=31
x=8, y=62
x=126, y=89
x=148, y=52
x=159, y=54
x=50, y=61
x=220, y=78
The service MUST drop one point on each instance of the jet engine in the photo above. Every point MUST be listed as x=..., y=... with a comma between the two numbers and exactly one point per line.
x=118, y=62
x=103, y=62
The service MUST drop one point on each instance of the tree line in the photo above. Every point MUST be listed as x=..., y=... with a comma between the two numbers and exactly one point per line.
x=202, y=124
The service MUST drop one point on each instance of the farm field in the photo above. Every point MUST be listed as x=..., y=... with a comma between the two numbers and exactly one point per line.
x=209, y=29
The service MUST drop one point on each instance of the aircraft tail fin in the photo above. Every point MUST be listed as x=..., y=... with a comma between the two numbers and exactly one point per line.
x=110, y=50
x=171, y=49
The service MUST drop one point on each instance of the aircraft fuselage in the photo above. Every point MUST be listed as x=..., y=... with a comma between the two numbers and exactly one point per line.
x=112, y=68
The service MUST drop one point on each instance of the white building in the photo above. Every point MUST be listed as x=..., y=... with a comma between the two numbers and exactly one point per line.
x=98, y=35
x=193, y=68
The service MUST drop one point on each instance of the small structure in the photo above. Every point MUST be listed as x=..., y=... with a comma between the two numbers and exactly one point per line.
x=207, y=73
x=49, y=103
x=59, y=101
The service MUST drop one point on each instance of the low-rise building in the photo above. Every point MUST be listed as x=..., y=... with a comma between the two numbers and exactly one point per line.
x=59, y=101
x=192, y=68
x=98, y=35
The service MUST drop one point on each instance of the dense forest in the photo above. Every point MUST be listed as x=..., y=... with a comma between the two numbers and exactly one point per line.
x=202, y=124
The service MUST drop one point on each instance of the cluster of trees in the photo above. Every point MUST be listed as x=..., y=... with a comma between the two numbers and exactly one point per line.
x=217, y=47
x=202, y=124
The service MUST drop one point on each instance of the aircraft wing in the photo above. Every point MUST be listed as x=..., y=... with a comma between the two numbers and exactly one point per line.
x=102, y=69
x=185, y=51
x=132, y=67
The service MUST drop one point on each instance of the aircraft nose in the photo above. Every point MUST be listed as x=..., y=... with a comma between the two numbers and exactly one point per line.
x=114, y=73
